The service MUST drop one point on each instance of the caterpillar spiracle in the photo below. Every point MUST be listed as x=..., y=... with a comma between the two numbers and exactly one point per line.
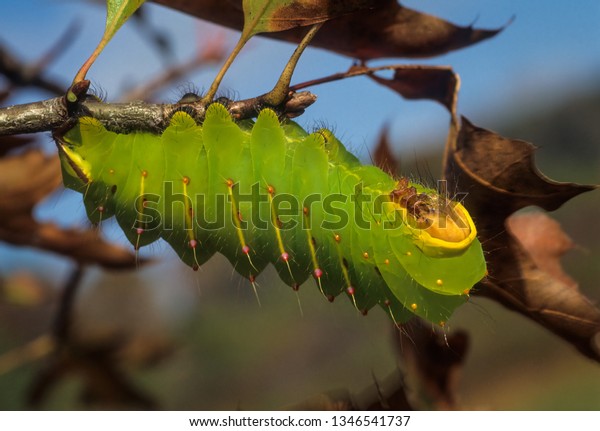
x=266, y=191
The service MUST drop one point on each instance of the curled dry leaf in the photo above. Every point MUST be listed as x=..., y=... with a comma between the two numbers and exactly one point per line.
x=272, y=16
x=387, y=30
x=9, y=143
x=500, y=174
x=383, y=157
x=544, y=241
x=424, y=82
x=436, y=83
x=528, y=278
x=500, y=178
x=26, y=179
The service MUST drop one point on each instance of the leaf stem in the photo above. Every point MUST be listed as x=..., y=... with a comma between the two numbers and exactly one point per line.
x=209, y=96
x=278, y=94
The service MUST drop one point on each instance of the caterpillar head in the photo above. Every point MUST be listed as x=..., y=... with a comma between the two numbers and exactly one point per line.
x=76, y=169
x=441, y=226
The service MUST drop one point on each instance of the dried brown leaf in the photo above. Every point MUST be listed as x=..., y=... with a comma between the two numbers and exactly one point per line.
x=8, y=143
x=437, y=83
x=525, y=275
x=544, y=241
x=517, y=282
x=500, y=174
x=389, y=30
x=25, y=180
x=273, y=16
x=383, y=157
x=424, y=82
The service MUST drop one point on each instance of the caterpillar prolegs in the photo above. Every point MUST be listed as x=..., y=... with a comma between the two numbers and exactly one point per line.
x=269, y=192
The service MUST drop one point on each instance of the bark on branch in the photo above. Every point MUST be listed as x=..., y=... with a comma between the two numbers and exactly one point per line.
x=50, y=114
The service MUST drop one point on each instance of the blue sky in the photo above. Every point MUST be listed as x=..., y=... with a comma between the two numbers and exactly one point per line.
x=550, y=52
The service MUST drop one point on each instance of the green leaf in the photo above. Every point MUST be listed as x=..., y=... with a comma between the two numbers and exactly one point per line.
x=117, y=12
x=264, y=16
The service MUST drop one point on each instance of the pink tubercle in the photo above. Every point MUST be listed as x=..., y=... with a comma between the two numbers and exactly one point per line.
x=245, y=249
x=139, y=231
x=193, y=243
x=350, y=290
x=285, y=257
x=318, y=273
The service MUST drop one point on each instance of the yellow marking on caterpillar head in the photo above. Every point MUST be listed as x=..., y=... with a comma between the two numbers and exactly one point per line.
x=75, y=165
x=449, y=233
x=81, y=168
x=440, y=227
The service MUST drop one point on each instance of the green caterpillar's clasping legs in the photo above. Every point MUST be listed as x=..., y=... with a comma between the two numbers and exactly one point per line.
x=279, y=93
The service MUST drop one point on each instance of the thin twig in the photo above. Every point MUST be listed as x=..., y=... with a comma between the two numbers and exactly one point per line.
x=64, y=315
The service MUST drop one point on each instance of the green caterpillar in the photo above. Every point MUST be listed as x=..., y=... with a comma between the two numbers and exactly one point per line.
x=268, y=192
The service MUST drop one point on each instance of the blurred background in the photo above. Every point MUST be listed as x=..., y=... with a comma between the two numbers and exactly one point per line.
x=199, y=341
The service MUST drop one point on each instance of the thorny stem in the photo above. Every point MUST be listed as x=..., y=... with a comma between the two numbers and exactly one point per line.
x=278, y=94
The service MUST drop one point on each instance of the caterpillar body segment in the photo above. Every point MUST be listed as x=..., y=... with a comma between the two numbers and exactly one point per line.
x=267, y=192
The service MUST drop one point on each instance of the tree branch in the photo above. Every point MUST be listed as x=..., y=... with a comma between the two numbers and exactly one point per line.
x=49, y=114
